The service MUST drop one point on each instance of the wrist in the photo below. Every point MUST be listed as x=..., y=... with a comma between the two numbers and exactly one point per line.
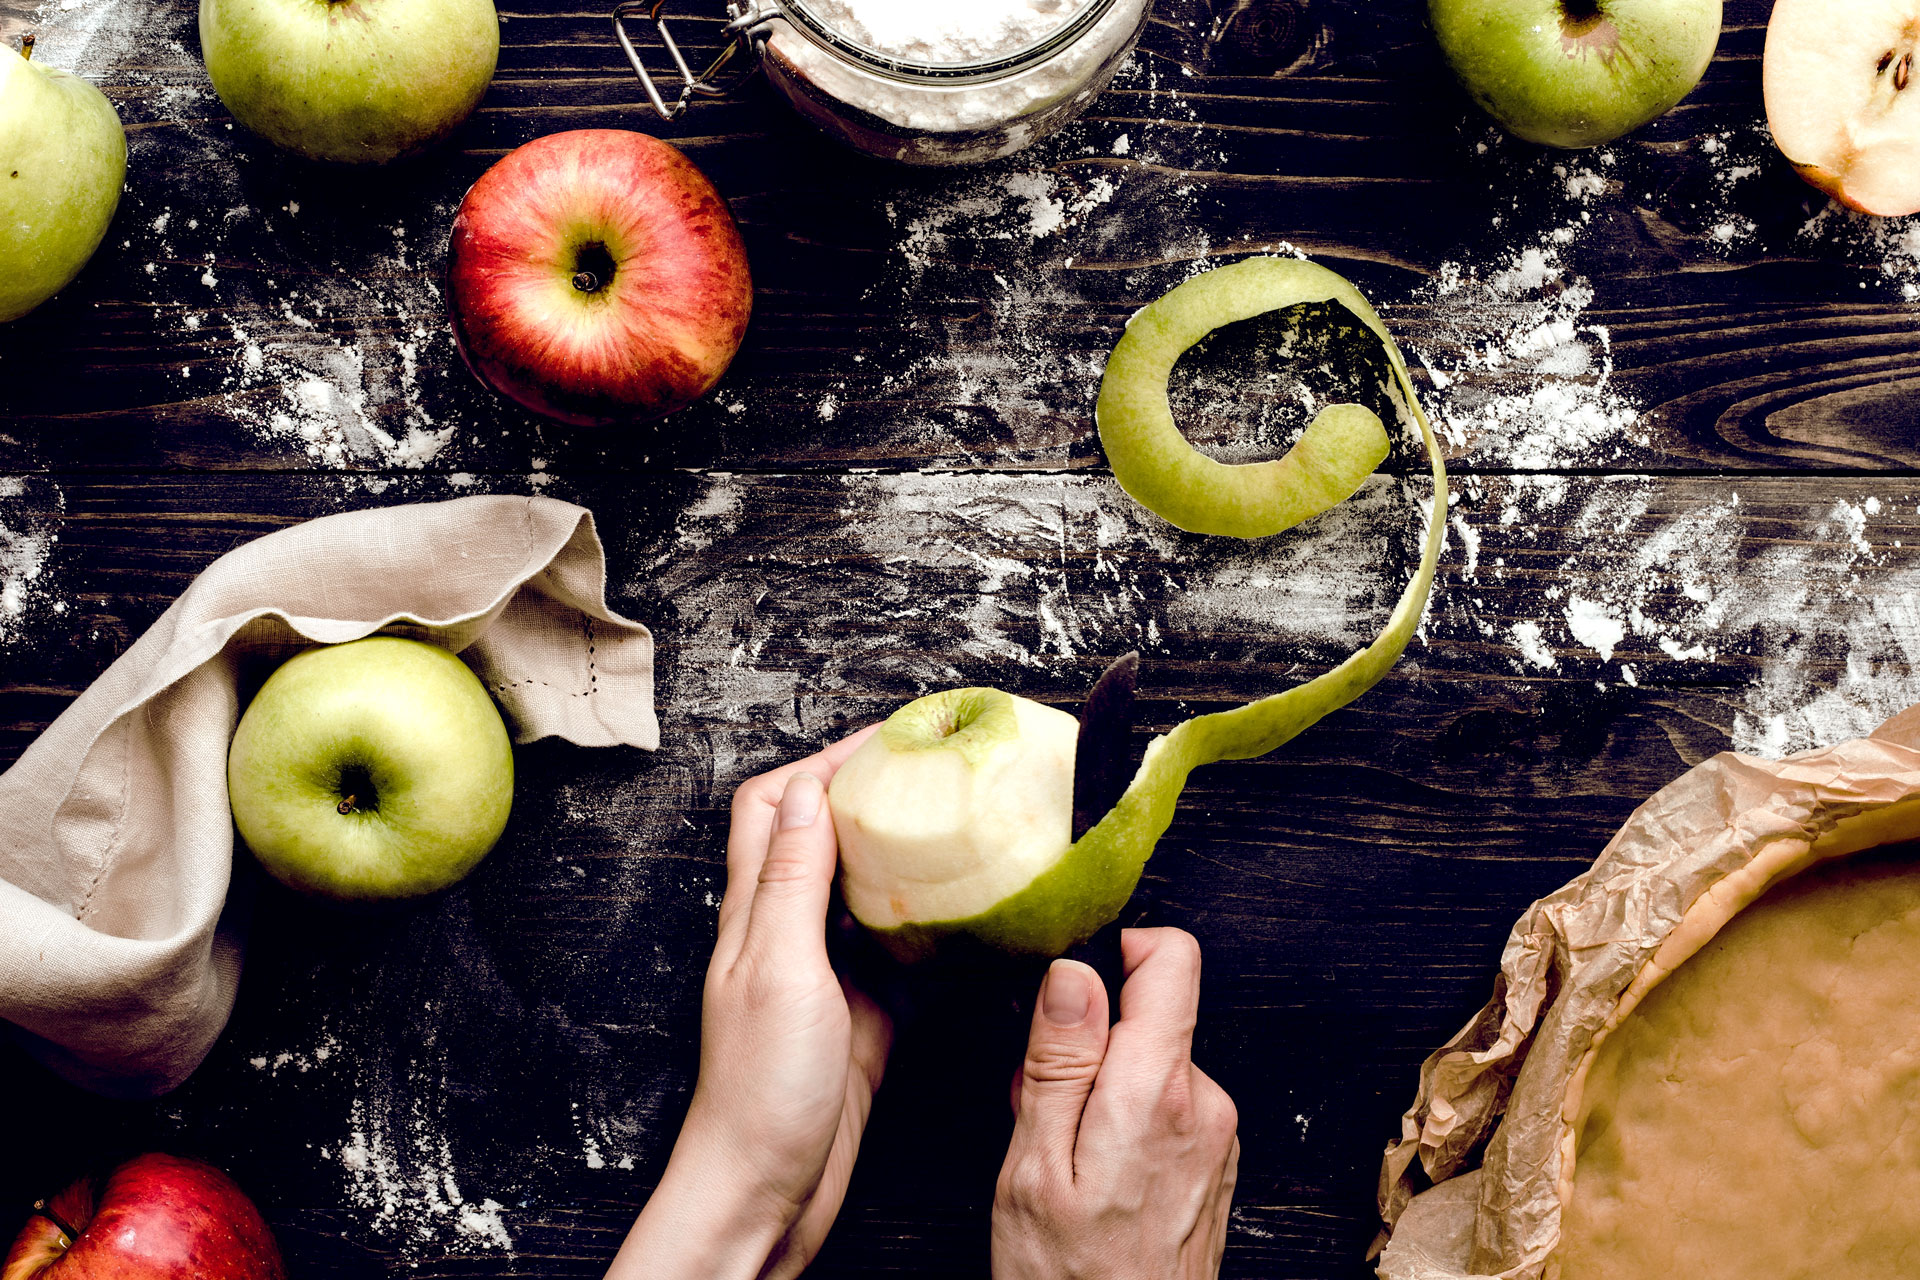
x=706, y=1220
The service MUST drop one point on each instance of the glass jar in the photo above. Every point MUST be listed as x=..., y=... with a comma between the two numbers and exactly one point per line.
x=885, y=104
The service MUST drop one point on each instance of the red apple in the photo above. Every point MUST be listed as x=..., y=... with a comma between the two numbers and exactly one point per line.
x=596, y=277
x=157, y=1217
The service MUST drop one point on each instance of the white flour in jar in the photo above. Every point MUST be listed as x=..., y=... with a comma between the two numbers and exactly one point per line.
x=924, y=31
x=1009, y=111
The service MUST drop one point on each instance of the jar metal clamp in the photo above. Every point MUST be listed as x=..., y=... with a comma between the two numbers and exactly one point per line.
x=884, y=104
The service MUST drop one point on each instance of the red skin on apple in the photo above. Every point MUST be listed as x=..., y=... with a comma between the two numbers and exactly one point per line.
x=596, y=277
x=157, y=1217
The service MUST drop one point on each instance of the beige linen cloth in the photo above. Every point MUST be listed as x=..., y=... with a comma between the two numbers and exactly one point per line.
x=117, y=844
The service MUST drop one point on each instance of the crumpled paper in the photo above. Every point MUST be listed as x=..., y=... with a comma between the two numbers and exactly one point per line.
x=118, y=956
x=1580, y=959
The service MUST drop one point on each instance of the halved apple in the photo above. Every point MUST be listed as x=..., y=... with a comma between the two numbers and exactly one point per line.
x=1843, y=98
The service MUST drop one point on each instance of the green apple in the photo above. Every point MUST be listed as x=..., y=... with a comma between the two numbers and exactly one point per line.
x=955, y=821
x=1576, y=73
x=375, y=769
x=951, y=815
x=353, y=81
x=63, y=156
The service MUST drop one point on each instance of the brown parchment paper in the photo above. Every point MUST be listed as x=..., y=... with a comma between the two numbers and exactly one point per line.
x=1581, y=959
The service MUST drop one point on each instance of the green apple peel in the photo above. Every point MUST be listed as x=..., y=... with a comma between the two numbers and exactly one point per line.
x=904, y=894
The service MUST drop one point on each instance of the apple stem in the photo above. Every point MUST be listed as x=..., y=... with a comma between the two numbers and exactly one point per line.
x=26, y=52
x=41, y=1208
x=346, y=806
x=586, y=282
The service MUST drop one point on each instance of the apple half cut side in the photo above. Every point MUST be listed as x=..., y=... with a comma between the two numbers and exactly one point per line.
x=955, y=819
x=1843, y=98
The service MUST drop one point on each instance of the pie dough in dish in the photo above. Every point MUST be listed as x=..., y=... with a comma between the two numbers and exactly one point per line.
x=1759, y=1113
x=1671, y=1080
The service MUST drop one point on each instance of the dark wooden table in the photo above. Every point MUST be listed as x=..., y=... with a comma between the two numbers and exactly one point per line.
x=1679, y=403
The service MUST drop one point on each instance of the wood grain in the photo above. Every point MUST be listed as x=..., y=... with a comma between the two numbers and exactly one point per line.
x=949, y=519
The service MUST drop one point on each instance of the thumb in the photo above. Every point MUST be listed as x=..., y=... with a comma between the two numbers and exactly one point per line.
x=1065, y=1048
x=789, y=908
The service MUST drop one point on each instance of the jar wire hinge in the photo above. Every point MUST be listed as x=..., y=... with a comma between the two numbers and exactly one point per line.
x=747, y=26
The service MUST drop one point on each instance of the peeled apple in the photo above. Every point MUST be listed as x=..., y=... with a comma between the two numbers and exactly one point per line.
x=956, y=818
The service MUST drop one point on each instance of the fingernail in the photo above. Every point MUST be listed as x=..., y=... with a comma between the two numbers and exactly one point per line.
x=800, y=802
x=1068, y=996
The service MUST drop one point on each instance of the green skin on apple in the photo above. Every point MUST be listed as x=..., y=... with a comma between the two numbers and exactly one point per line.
x=1576, y=73
x=911, y=827
x=371, y=770
x=63, y=157
x=350, y=81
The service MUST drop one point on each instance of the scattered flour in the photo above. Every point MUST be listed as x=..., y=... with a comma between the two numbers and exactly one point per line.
x=1592, y=625
x=1733, y=157
x=26, y=546
x=23, y=556
x=356, y=399
x=992, y=343
x=1890, y=246
x=1531, y=642
x=296, y=1061
x=1812, y=617
x=1520, y=378
x=406, y=1182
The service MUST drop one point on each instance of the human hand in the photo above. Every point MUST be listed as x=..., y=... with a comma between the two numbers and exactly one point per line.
x=1124, y=1153
x=789, y=1056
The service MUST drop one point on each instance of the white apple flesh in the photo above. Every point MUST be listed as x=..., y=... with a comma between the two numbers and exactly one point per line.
x=1576, y=73
x=1843, y=98
x=375, y=769
x=962, y=800
x=596, y=277
x=63, y=157
x=350, y=81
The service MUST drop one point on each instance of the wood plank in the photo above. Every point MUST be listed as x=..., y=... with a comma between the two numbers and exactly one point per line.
x=1685, y=520
x=1351, y=891
x=913, y=320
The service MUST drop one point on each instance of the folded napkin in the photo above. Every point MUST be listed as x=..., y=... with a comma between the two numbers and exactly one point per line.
x=117, y=845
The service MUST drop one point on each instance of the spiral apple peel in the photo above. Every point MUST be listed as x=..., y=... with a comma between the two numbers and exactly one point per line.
x=956, y=818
